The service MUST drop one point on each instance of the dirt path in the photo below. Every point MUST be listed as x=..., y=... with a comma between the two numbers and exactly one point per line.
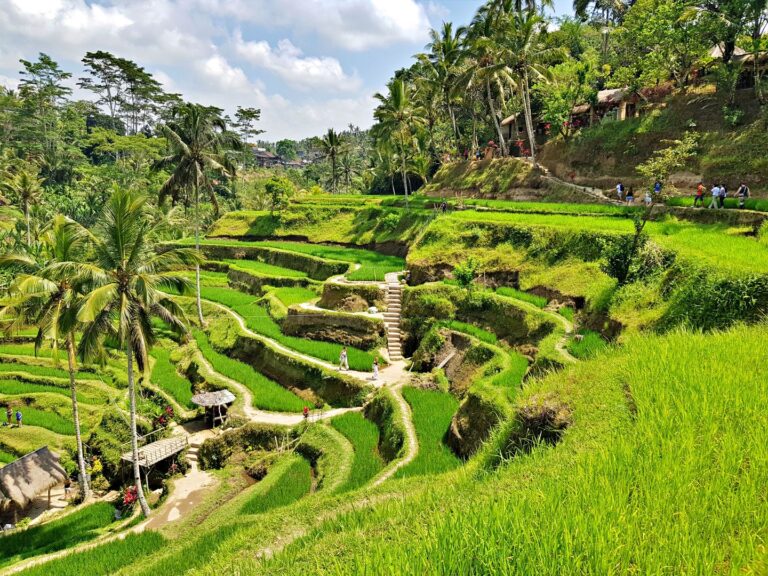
x=561, y=345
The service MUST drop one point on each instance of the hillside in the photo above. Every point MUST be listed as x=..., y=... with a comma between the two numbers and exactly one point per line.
x=604, y=154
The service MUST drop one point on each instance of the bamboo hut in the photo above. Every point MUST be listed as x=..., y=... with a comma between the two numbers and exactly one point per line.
x=216, y=405
x=24, y=479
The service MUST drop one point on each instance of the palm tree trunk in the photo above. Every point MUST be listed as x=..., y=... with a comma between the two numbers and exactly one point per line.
x=392, y=183
x=134, y=434
x=404, y=170
x=200, y=318
x=26, y=216
x=528, y=119
x=85, y=489
x=333, y=173
x=495, y=119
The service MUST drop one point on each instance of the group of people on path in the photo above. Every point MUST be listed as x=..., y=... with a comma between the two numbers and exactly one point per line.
x=344, y=363
x=628, y=195
x=719, y=193
x=9, y=417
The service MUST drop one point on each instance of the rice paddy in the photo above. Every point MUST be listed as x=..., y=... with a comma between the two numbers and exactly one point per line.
x=364, y=436
x=286, y=482
x=588, y=345
x=265, y=269
x=538, y=301
x=267, y=394
x=432, y=413
x=165, y=376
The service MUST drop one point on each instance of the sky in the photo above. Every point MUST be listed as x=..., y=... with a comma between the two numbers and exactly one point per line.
x=309, y=65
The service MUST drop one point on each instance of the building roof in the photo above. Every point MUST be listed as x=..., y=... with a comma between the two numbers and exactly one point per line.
x=508, y=120
x=30, y=475
x=216, y=398
x=259, y=153
x=717, y=51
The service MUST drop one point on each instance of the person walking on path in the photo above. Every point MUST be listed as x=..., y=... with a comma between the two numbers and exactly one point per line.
x=375, y=369
x=343, y=359
x=630, y=196
x=743, y=193
x=9, y=415
x=698, y=199
x=657, y=188
x=715, y=203
x=723, y=195
x=18, y=418
x=620, y=191
x=648, y=198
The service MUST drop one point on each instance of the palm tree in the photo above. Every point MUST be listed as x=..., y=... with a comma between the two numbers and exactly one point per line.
x=26, y=189
x=331, y=146
x=442, y=63
x=199, y=141
x=490, y=70
x=127, y=281
x=398, y=117
x=45, y=294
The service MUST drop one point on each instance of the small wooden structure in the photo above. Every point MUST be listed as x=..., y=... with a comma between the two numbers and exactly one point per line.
x=23, y=479
x=216, y=405
x=154, y=452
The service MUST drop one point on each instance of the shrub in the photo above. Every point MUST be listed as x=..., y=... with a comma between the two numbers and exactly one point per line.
x=215, y=452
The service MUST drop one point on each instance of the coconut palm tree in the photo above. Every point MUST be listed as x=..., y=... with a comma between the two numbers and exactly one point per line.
x=127, y=280
x=26, y=189
x=199, y=144
x=442, y=64
x=45, y=294
x=332, y=145
x=398, y=118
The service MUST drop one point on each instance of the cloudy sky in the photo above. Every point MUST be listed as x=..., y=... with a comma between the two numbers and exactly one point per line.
x=308, y=64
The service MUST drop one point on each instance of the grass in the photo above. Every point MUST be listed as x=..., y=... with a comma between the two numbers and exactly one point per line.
x=266, y=269
x=267, y=394
x=373, y=265
x=566, y=312
x=76, y=527
x=288, y=481
x=6, y=457
x=290, y=295
x=590, y=344
x=538, y=301
x=364, y=436
x=757, y=204
x=472, y=330
x=432, y=414
x=49, y=420
x=101, y=560
x=19, y=387
x=44, y=371
x=257, y=318
x=165, y=376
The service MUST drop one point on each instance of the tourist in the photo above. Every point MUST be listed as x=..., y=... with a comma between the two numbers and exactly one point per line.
x=715, y=197
x=723, y=195
x=620, y=191
x=9, y=415
x=657, y=188
x=648, y=198
x=698, y=198
x=375, y=369
x=630, y=196
x=306, y=413
x=18, y=418
x=743, y=193
x=343, y=359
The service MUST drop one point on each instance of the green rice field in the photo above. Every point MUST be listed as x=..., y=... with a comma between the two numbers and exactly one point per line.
x=285, y=483
x=364, y=436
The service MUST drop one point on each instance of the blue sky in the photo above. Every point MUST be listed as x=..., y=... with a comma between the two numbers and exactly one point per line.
x=308, y=64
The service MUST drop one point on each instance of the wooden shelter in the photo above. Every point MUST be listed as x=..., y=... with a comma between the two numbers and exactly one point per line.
x=24, y=479
x=216, y=405
x=152, y=453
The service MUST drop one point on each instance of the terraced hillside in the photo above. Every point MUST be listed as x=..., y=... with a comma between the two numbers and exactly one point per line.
x=550, y=416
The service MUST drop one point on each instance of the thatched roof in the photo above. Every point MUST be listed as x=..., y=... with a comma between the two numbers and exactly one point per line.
x=717, y=51
x=30, y=475
x=216, y=398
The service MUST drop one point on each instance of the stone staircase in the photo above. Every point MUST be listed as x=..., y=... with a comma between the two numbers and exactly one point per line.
x=392, y=317
x=194, y=448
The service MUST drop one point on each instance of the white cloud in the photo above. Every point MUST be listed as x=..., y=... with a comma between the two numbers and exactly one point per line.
x=351, y=24
x=289, y=63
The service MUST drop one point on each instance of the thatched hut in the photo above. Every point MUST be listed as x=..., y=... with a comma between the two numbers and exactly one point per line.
x=24, y=479
x=216, y=405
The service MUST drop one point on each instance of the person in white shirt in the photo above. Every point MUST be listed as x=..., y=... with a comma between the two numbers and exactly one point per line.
x=715, y=197
x=343, y=360
x=620, y=191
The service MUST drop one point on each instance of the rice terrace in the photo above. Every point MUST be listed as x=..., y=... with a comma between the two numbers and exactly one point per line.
x=346, y=287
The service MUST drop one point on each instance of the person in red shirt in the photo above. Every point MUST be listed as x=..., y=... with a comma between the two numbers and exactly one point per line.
x=306, y=412
x=698, y=199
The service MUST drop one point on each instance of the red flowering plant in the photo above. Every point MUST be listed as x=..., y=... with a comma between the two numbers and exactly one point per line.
x=129, y=497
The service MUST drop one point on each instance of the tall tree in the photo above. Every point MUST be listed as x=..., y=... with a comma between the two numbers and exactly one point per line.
x=45, y=293
x=128, y=279
x=398, y=117
x=246, y=119
x=199, y=143
x=26, y=189
x=332, y=145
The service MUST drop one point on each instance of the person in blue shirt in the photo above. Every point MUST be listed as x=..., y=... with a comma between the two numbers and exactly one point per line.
x=657, y=187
